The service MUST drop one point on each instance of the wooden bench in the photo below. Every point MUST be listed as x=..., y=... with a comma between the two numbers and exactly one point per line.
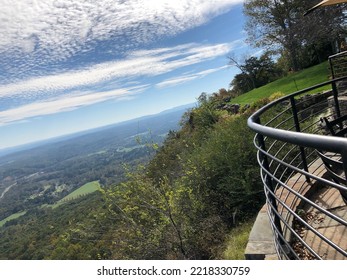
x=331, y=161
x=335, y=171
x=336, y=127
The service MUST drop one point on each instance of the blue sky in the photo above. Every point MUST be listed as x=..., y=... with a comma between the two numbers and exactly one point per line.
x=72, y=65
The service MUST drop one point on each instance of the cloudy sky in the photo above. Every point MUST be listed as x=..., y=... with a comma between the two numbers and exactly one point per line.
x=71, y=65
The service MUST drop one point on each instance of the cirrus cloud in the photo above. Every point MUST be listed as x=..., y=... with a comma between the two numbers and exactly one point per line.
x=35, y=34
x=68, y=103
x=137, y=64
x=71, y=90
x=59, y=55
x=186, y=78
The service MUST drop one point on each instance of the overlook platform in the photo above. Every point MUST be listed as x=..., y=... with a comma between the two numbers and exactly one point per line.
x=301, y=140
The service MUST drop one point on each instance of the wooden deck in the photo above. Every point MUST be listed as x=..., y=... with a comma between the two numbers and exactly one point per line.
x=261, y=245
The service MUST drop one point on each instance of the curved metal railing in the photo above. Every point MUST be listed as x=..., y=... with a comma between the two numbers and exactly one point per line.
x=304, y=206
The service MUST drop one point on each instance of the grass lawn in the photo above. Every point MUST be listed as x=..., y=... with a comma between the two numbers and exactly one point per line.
x=289, y=84
x=12, y=217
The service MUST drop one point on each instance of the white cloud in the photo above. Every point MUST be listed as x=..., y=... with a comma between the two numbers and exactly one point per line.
x=142, y=63
x=57, y=29
x=177, y=81
x=68, y=91
x=37, y=34
x=65, y=104
x=186, y=78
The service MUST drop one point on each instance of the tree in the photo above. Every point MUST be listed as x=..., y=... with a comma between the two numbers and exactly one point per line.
x=148, y=226
x=279, y=25
x=256, y=72
x=325, y=30
x=241, y=84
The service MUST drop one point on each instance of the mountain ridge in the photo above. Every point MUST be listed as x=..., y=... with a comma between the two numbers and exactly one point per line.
x=66, y=137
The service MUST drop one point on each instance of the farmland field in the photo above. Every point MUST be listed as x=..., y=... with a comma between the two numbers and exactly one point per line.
x=12, y=217
x=83, y=190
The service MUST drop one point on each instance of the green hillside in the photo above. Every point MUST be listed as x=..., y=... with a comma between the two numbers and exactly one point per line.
x=289, y=84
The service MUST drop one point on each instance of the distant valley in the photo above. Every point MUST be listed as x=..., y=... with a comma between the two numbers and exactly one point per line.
x=171, y=116
x=46, y=172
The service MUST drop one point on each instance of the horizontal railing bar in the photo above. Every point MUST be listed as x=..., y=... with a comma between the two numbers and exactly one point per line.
x=288, y=226
x=258, y=113
x=295, y=233
x=333, y=184
x=336, y=218
x=278, y=115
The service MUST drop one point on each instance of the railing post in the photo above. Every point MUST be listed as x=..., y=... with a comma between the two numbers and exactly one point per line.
x=298, y=129
x=336, y=100
x=344, y=162
x=332, y=68
x=335, y=92
x=269, y=183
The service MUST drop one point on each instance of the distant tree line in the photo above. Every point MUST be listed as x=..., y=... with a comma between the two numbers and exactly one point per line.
x=255, y=72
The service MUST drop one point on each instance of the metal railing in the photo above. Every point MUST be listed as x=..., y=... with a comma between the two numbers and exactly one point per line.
x=288, y=133
x=338, y=65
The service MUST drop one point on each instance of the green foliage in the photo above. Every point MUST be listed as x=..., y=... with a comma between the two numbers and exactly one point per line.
x=201, y=183
x=181, y=205
x=147, y=227
x=69, y=232
x=195, y=199
x=204, y=116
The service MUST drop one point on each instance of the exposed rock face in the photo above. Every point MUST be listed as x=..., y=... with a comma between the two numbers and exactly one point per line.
x=342, y=87
x=342, y=104
x=310, y=104
x=232, y=108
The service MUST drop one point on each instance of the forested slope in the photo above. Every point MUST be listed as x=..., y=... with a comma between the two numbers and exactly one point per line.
x=201, y=182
